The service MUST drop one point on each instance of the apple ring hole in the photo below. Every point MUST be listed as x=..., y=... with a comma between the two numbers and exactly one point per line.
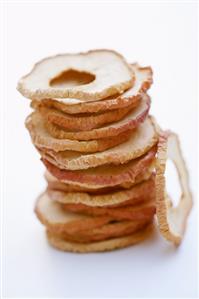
x=173, y=188
x=71, y=78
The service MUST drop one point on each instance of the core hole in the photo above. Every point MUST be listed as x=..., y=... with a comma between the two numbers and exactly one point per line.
x=172, y=183
x=71, y=78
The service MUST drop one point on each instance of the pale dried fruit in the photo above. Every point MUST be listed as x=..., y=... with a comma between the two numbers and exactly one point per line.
x=55, y=184
x=129, y=122
x=141, y=192
x=143, y=81
x=100, y=246
x=83, y=122
x=42, y=139
x=84, y=228
x=107, y=231
x=89, y=76
x=130, y=212
x=53, y=216
x=108, y=175
x=140, y=142
x=172, y=220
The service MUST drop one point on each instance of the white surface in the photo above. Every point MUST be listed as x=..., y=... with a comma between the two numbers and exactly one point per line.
x=161, y=35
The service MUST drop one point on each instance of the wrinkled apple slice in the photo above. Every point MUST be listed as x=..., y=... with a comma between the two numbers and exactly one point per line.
x=54, y=218
x=143, y=81
x=42, y=139
x=139, y=143
x=55, y=184
x=83, y=122
x=89, y=76
x=108, y=175
x=129, y=122
x=116, y=197
x=88, y=228
x=172, y=220
x=130, y=212
x=106, y=232
x=100, y=246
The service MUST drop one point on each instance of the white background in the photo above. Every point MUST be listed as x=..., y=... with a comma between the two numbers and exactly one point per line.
x=161, y=35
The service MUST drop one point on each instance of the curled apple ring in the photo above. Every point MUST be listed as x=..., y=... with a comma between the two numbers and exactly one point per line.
x=172, y=220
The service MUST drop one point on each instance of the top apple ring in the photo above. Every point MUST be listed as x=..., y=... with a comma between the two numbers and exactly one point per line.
x=103, y=73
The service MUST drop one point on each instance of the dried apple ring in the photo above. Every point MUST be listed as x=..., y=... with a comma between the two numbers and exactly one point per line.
x=89, y=76
x=172, y=220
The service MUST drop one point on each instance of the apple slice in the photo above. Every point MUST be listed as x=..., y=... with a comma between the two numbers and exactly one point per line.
x=100, y=246
x=105, y=176
x=88, y=76
x=131, y=121
x=143, y=81
x=116, y=197
x=172, y=220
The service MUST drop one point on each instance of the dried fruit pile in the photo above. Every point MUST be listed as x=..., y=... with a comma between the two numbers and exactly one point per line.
x=105, y=156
